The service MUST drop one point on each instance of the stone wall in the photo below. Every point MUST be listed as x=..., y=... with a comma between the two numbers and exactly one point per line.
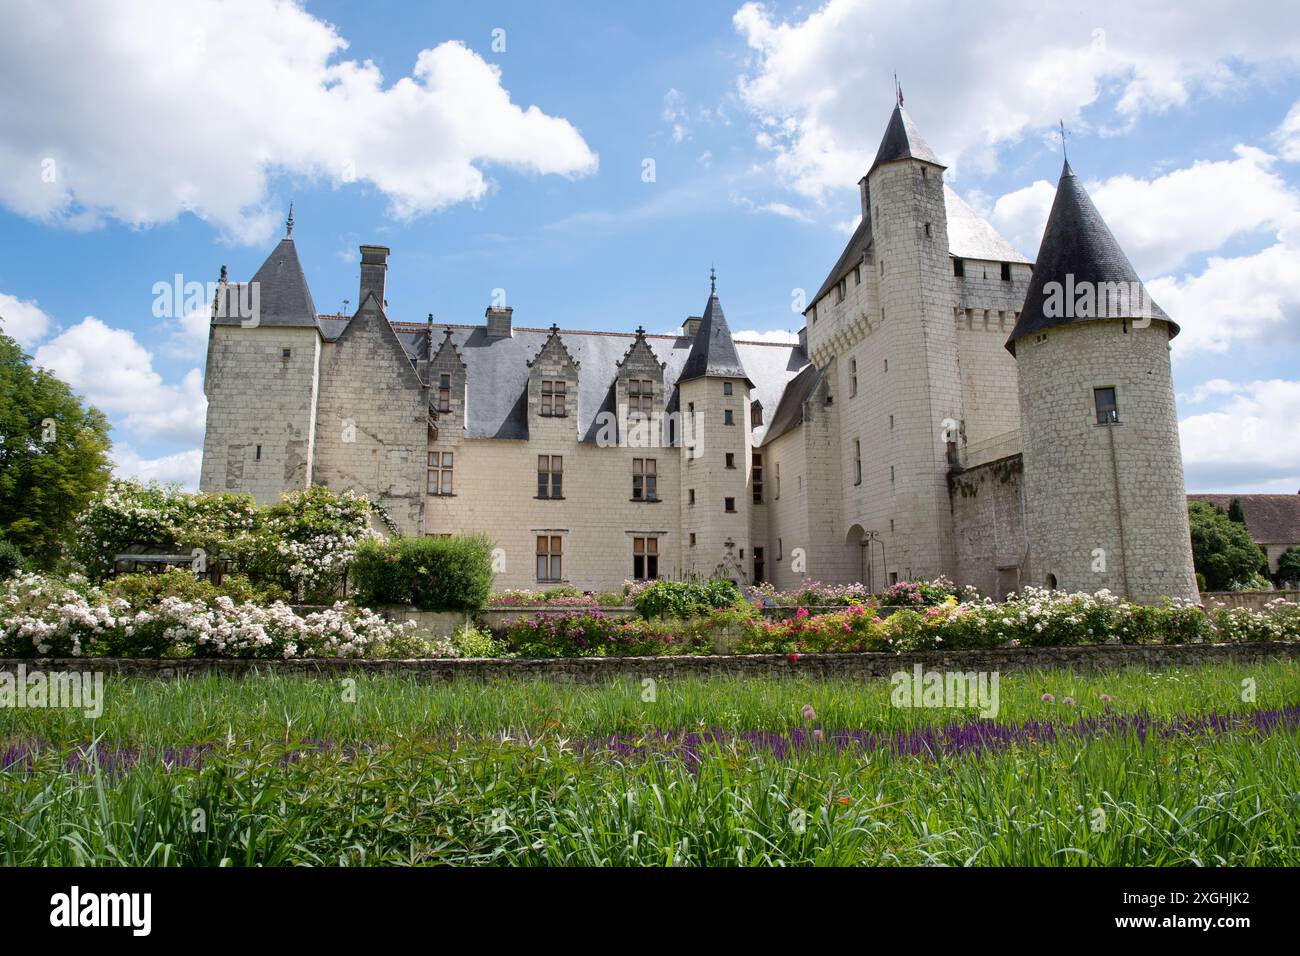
x=262, y=389
x=988, y=511
x=598, y=669
x=1105, y=503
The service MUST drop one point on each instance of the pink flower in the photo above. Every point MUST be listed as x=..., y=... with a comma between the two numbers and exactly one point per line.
x=1105, y=698
x=817, y=735
x=801, y=613
x=794, y=658
x=1047, y=698
x=808, y=713
x=1067, y=701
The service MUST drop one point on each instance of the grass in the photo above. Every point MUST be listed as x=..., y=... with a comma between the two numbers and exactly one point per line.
x=417, y=774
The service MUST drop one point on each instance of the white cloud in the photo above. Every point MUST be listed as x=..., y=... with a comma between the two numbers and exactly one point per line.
x=115, y=373
x=784, y=210
x=182, y=468
x=1253, y=439
x=991, y=72
x=778, y=336
x=1288, y=135
x=22, y=320
x=144, y=109
x=1161, y=222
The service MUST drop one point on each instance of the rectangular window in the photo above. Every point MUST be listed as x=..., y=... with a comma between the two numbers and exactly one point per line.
x=853, y=377
x=857, y=462
x=553, y=399
x=440, y=472
x=444, y=393
x=958, y=268
x=727, y=417
x=777, y=477
x=1006, y=272
x=726, y=388
x=690, y=496
x=1107, y=411
x=550, y=558
x=927, y=231
x=857, y=274
x=550, y=476
x=640, y=396
x=841, y=289
x=257, y=453
x=645, y=558
x=285, y=353
x=779, y=549
x=757, y=465
x=692, y=539
x=759, y=568
x=645, y=479
x=731, y=459
x=756, y=414
x=729, y=505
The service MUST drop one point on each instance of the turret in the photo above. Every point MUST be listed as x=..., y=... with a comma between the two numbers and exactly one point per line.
x=1104, y=492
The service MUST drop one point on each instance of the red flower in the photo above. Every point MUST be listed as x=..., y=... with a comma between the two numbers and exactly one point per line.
x=794, y=658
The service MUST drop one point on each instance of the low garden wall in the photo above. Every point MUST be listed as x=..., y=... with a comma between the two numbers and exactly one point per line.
x=1255, y=600
x=865, y=666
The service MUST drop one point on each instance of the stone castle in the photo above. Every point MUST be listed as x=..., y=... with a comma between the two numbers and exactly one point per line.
x=941, y=413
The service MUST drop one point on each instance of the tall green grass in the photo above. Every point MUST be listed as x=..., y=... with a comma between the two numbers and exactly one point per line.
x=435, y=786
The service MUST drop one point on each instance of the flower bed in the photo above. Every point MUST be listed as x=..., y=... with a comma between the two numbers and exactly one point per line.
x=42, y=617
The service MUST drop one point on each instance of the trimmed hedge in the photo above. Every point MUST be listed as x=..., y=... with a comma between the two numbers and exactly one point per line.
x=432, y=574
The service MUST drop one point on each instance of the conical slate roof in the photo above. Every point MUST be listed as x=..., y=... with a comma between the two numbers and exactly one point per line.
x=1079, y=251
x=713, y=353
x=283, y=296
x=903, y=140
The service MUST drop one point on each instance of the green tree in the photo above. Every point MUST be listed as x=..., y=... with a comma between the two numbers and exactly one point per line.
x=1236, y=512
x=1288, y=566
x=53, y=455
x=1222, y=549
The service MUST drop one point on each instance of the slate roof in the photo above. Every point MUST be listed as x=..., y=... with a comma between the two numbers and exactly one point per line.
x=789, y=413
x=713, y=353
x=497, y=371
x=971, y=237
x=902, y=140
x=283, y=296
x=1271, y=519
x=1078, y=242
x=858, y=248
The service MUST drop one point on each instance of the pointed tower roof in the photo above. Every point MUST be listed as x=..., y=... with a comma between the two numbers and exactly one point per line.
x=1079, y=245
x=902, y=140
x=713, y=353
x=283, y=294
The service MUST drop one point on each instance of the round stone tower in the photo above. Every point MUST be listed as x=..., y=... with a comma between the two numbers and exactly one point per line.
x=1104, y=496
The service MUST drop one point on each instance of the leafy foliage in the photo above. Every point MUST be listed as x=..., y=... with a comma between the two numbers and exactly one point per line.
x=1222, y=549
x=53, y=456
x=433, y=574
x=1288, y=566
x=684, y=599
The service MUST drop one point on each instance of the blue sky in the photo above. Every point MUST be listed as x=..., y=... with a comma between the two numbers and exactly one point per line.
x=141, y=140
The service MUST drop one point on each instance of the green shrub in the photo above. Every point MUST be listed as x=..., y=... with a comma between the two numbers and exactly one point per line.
x=471, y=641
x=144, y=590
x=432, y=574
x=11, y=559
x=684, y=599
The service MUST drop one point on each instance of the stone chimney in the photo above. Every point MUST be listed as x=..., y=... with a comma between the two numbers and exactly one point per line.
x=374, y=266
x=498, y=322
x=691, y=326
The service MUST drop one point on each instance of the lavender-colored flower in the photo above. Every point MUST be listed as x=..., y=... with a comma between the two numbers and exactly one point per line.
x=808, y=713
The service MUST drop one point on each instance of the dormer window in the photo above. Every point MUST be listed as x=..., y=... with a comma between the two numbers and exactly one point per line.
x=444, y=393
x=756, y=414
x=553, y=399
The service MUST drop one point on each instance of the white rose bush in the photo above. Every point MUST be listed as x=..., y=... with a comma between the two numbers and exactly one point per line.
x=43, y=617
